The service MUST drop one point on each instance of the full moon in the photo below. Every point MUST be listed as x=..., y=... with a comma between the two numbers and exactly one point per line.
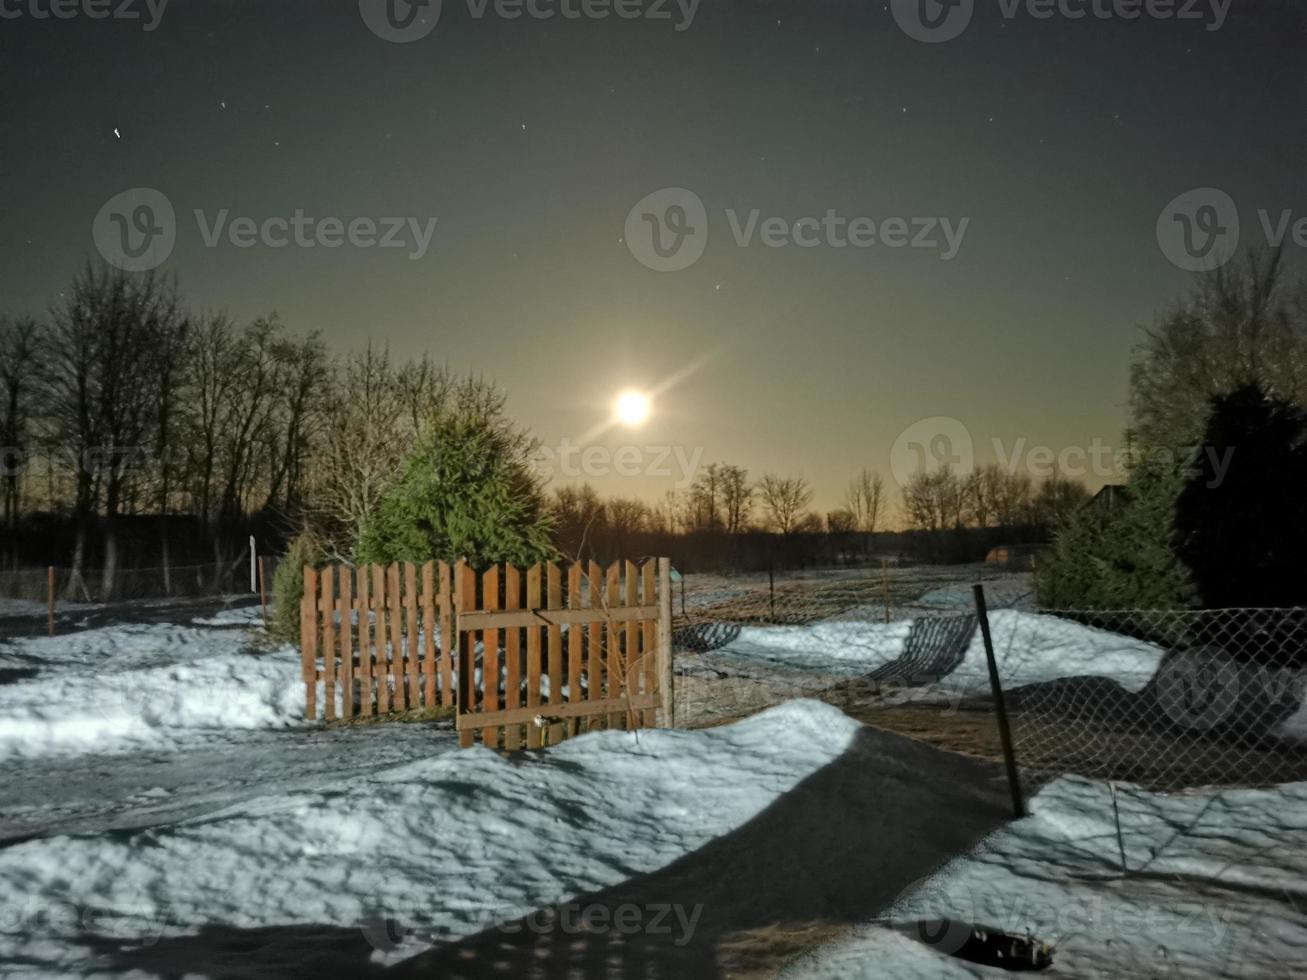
x=632, y=408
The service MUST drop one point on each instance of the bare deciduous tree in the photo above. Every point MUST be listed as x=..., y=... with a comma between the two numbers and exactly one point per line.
x=864, y=500
x=737, y=497
x=933, y=499
x=784, y=498
x=103, y=376
x=19, y=388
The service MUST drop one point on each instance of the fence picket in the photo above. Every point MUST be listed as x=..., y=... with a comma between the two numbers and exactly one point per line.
x=396, y=618
x=411, y=640
x=490, y=656
x=428, y=634
x=575, y=662
x=631, y=652
x=346, y=642
x=533, y=732
x=365, y=643
x=613, y=687
x=447, y=638
x=309, y=642
x=380, y=668
x=465, y=597
x=649, y=651
x=594, y=632
x=327, y=583
x=512, y=656
x=554, y=599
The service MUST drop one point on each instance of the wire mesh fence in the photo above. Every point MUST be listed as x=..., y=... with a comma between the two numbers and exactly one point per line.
x=1165, y=699
x=38, y=601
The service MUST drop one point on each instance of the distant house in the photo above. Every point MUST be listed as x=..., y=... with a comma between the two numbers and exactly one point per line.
x=1110, y=499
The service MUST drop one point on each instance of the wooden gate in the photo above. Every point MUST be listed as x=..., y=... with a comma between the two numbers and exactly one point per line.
x=542, y=654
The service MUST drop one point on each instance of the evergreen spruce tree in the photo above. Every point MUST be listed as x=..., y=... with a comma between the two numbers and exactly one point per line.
x=1122, y=560
x=466, y=491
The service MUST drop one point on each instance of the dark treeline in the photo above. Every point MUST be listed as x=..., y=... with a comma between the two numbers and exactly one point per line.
x=727, y=522
x=759, y=551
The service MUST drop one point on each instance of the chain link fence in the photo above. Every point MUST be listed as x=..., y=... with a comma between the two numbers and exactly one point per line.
x=1175, y=698
x=1165, y=699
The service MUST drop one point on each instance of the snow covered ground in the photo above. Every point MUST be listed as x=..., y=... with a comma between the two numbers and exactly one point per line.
x=454, y=843
x=164, y=793
x=1214, y=885
x=1030, y=648
x=128, y=687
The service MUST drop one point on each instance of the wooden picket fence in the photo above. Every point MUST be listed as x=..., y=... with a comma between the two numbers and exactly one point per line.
x=368, y=636
x=572, y=649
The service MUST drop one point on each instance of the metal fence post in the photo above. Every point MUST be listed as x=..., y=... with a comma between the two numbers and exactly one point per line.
x=1000, y=707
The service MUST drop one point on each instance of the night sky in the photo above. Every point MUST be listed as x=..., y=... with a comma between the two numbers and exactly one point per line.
x=1060, y=141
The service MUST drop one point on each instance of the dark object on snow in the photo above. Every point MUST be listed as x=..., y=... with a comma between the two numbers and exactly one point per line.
x=1001, y=949
x=978, y=944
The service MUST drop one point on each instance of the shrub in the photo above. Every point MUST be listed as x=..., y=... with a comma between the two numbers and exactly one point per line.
x=288, y=587
x=1121, y=560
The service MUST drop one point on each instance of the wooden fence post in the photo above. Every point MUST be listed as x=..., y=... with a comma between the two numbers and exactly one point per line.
x=309, y=641
x=665, y=682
